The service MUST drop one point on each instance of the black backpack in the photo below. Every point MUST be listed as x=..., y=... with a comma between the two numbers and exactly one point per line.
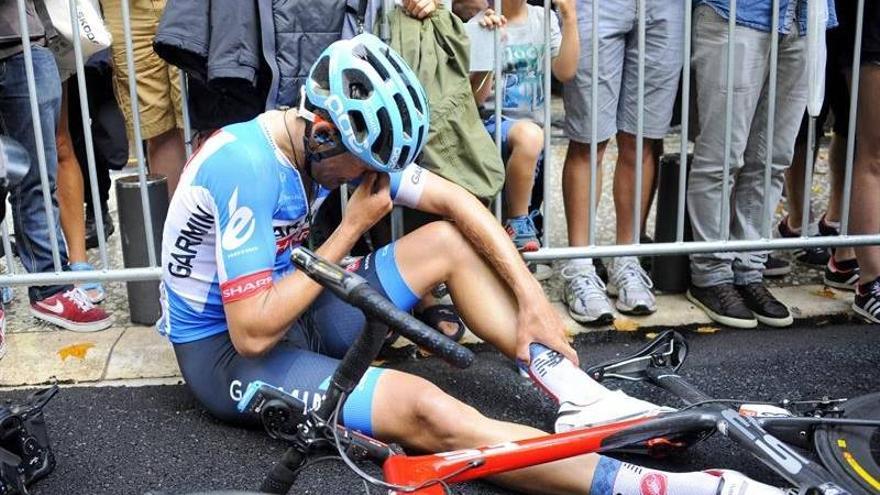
x=25, y=454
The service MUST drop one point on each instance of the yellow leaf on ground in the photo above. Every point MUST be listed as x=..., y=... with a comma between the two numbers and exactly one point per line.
x=707, y=330
x=78, y=351
x=625, y=325
x=826, y=293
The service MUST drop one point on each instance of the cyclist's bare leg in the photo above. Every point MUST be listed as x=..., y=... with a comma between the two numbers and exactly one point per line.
x=417, y=414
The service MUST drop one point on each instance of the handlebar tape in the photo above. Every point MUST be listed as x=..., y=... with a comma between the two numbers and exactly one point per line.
x=377, y=306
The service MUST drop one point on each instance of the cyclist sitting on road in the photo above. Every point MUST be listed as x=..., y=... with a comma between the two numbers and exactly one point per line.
x=237, y=311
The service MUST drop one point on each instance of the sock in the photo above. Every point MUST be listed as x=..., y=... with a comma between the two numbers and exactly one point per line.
x=580, y=264
x=613, y=477
x=560, y=378
x=845, y=265
x=863, y=289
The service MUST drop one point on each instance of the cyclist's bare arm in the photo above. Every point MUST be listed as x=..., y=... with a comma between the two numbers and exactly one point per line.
x=256, y=323
x=537, y=321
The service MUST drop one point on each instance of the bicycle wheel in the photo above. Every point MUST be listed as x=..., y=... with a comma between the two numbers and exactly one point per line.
x=851, y=453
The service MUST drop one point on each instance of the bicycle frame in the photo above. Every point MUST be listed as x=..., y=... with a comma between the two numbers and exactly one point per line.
x=426, y=474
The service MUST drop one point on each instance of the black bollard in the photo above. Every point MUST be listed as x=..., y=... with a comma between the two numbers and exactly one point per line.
x=143, y=297
x=671, y=274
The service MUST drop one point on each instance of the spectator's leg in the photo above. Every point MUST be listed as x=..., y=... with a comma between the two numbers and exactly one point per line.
x=576, y=181
x=865, y=203
x=526, y=143
x=706, y=176
x=794, y=179
x=29, y=215
x=70, y=188
x=167, y=154
x=836, y=168
x=750, y=202
x=625, y=182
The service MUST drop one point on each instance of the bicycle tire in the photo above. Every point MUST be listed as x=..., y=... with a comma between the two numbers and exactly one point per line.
x=850, y=453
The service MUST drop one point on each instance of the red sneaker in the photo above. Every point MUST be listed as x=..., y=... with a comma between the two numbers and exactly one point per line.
x=72, y=310
x=2, y=332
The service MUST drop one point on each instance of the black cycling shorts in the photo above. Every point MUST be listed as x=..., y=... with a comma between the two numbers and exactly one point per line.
x=303, y=361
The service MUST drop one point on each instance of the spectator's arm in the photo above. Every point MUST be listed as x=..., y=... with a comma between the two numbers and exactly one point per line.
x=419, y=9
x=565, y=63
x=465, y=9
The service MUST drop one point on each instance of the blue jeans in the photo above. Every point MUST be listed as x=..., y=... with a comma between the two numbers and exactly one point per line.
x=28, y=213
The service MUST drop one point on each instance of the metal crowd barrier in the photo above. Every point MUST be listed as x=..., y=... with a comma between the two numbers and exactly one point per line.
x=152, y=270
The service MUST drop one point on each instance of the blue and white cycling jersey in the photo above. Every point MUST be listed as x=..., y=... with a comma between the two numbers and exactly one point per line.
x=239, y=209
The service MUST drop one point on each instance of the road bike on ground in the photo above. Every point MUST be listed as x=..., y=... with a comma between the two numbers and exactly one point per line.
x=825, y=446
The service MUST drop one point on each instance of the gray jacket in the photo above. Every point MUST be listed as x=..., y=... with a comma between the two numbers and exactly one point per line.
x=234, y=45
x=10, y=28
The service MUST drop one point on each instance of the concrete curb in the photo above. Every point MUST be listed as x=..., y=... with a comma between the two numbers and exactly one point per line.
x=138, y=354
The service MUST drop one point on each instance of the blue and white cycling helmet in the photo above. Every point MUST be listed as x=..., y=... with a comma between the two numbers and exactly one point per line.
x=373, y=98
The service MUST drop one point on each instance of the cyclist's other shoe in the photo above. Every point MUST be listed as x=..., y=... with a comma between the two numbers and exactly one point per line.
x=724, y=304
x=813, y=256
x=610, y=408
x=843, y=275
x=632, y=287
x=867, y=301
x=72, y=310
x=736, y=483
x=522, y=232
x=584, y=294
x=776, y=267
x=767, y=309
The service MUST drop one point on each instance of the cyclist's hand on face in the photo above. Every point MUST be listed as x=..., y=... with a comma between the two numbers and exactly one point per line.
x=541, y=323
x=370, y=202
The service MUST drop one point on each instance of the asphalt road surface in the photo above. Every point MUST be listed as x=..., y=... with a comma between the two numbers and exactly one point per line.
x=121, y=440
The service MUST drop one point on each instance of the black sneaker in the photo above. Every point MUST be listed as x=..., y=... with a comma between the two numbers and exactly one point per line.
x=724, y=304
x=814, y=256
x=776, y=267
x=843, y=275
x=867, y=301
x=92, y=230
x=767, y=309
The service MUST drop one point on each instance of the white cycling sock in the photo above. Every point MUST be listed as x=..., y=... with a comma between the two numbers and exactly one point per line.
x=579, y=264
x=613, y=477
x=560, y=378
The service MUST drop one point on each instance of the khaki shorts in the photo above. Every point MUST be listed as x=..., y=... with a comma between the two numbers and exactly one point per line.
x=158, y=83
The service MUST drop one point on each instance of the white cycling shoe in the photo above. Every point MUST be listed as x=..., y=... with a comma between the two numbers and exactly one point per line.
x=613, y=407
x=736, y=483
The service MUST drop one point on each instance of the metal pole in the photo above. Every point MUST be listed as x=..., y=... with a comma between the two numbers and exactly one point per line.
x=594, y=118
x=674, y=248
x=728, y=125
x=640, y=128
x=771, y=117
x=808, y=176
x=38, y=134
x=87, y=134
x=136, y=127
x=184, y=108
x=7, y=248
x=116, y=275
x=853, y=108
x=547, y=121
x=499, y=101
x=685, y=121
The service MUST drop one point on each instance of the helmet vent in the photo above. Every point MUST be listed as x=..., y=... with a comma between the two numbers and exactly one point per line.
x=366, y=54
x=382, y=146
x=358, y=123
x=403, y=158
x=404, y=114
x=321, y=74
x=356, y=84
x=415, y=98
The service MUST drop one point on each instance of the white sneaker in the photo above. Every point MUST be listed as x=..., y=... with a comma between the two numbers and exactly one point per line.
x=632, y=287
x=584, y=294
x=736, y=483
x=616, y=406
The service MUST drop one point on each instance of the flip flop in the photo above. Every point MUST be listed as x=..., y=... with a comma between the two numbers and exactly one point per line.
x=434, y=315
x=94, y=290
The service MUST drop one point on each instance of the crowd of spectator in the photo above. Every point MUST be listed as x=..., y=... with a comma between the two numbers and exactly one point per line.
x=728, y=286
